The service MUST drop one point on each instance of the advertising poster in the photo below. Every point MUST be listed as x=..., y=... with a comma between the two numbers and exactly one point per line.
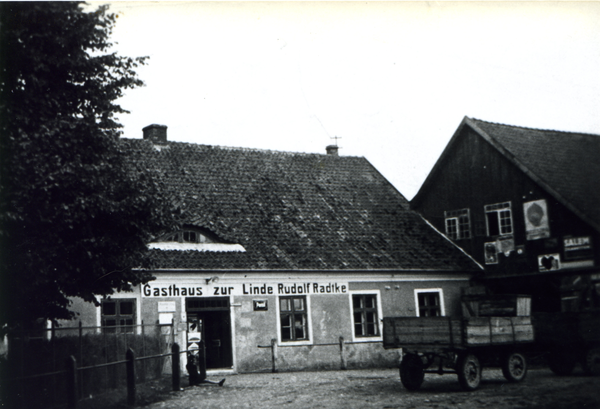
x=491, y=253
x=537, y=225
x=549, y=262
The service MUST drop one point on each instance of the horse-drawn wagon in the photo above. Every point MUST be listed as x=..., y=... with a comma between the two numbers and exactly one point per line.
x=493, y=331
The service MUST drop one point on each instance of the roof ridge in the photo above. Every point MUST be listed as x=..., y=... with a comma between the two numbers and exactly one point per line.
x=534, y=129
x=236, y=148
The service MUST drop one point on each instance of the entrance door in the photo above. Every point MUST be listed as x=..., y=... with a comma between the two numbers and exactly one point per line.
x=214, y=314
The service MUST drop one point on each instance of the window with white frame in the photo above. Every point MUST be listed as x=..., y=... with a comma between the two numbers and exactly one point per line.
x=364, y=308
x=499, y=219
x=118, y=315
x=429, y=302
x=458, y=224
x=293, y=319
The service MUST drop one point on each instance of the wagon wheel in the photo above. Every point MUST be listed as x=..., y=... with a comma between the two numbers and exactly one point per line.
x=514, y=366
x=469, y=371
x=411, y=372
x=561, y=362
x=591, y=363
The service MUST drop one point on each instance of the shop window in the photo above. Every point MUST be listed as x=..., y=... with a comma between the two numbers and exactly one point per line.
x=118, y=315
x=293, y=318
x=429, y=303
x=458, y=224
x=499, y=219
x=364, y=307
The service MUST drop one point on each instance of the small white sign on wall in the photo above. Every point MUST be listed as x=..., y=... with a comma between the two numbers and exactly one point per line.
x=166, y=306
x=165, y=318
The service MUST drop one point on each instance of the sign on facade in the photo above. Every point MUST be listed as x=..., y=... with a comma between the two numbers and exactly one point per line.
x=167, y=289
x=577, y=247
x=537, y=225
x=549, y=262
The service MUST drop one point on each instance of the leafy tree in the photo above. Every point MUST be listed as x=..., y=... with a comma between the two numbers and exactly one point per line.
x=74, y=216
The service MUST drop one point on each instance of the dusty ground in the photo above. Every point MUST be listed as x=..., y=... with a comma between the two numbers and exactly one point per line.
x=381, y=388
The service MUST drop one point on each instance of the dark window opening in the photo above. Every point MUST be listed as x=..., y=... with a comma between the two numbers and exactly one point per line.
x=293, y=318
x=499, y=219
x=429, y=304
x=365, y=315
x=118, y=315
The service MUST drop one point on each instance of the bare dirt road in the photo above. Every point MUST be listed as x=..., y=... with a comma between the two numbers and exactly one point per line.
x=381, y=388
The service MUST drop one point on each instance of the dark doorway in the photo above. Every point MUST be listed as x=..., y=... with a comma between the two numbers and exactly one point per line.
x=215, y=316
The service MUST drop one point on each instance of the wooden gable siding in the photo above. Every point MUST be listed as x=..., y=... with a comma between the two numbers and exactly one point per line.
x=474, y=174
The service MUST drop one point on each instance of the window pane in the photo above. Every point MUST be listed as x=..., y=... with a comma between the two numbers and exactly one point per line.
x=505, y=222
x=190, y=236
x=451, y=228
x=356, y=301
x=464, y=227
x=111, y=324
x=285, y=304
x=298, y=304
x=299, y=326
x=371, y=316
x=109, y=308
x=126, y=325
x=370, y=301
x=126, y=307
x=286, y=328
x=358, y=317
x=358, y=325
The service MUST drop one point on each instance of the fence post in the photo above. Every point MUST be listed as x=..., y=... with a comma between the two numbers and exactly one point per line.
x=172, y=331
x=274, y=354
x=71, y=378
x=175, y=367
x=143, y=353
x=202, y=360
x=53, y=344
x=342, y=353
x=130, y=356
x=81, y=356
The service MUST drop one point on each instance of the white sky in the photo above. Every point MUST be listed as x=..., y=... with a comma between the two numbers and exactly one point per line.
x=393, y=80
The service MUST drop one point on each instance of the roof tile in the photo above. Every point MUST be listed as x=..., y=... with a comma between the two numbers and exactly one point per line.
x=292, y=211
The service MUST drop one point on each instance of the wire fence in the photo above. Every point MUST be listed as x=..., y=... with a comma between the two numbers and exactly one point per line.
x=341, y=343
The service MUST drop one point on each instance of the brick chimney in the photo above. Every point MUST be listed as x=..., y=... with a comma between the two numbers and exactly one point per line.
x=332, y=150
x=156, y=133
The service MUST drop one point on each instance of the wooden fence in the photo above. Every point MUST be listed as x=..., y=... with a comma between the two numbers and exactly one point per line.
x=67, y=365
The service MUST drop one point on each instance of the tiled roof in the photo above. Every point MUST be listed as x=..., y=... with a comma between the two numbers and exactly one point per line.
x=566, y=164
x=292, y=211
